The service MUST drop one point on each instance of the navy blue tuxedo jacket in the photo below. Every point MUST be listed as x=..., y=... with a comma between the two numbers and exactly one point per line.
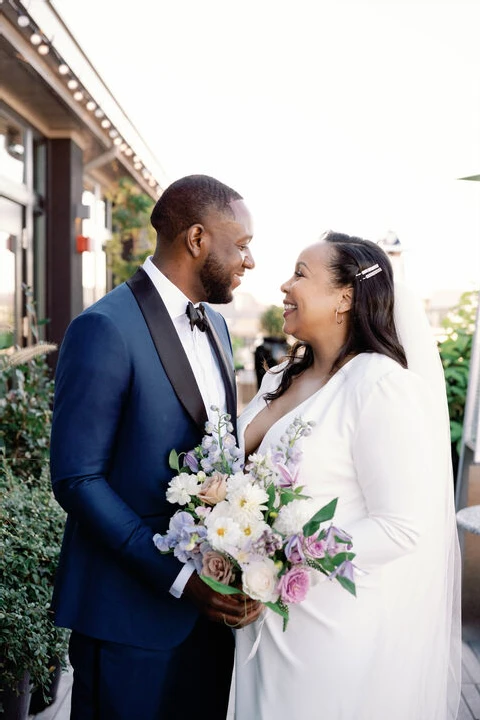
x=123, y=400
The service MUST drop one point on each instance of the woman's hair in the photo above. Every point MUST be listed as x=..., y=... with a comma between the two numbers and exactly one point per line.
x=372, y=327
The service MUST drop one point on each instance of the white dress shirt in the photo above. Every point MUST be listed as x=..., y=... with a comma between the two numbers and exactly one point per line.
x=202, y=360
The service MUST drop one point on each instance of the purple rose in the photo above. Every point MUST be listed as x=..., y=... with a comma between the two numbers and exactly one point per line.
x=294, y=585
x=294, y=550
x=314, y=547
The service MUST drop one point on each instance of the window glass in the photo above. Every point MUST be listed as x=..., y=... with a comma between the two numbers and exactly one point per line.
x=7, y=289
x=10, y=237
x=12, y=150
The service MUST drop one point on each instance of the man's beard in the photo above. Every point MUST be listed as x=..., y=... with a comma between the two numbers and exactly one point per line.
x=216, y=281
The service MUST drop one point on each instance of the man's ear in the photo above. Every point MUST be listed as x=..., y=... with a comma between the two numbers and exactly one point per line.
x=195, y=239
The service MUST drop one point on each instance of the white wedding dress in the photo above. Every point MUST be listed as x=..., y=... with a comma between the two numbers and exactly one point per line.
x=386, y=654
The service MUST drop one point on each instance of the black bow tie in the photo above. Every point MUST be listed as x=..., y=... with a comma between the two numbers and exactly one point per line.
x=196, y=316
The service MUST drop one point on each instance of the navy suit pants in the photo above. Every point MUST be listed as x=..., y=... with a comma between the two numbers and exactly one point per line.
x=119, y=682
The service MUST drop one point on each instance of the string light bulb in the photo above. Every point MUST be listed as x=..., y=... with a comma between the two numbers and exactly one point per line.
x=35, y=39
x=72, y=84
x=23, y=21
x=105, y=123
x=91, y=105
x=63, y=69
x=78, y=95
x=98, y=113
x=43, y=49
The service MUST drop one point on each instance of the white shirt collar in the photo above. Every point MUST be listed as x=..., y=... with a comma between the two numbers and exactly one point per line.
x=174, y=299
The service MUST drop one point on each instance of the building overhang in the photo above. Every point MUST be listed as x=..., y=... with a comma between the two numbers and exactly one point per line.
x=62, y=95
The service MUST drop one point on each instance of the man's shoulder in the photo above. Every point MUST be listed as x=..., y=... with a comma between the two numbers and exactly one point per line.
x=116, y=308
x=112, y=303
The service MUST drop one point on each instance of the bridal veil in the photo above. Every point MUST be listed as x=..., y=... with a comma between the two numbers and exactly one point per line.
x=430, y=631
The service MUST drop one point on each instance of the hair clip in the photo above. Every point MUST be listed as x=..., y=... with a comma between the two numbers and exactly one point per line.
x=369, y=272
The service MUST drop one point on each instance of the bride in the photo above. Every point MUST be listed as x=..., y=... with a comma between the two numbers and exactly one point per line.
x=380, y=444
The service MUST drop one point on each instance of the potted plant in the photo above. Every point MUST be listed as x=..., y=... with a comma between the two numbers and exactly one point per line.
x=274, y=345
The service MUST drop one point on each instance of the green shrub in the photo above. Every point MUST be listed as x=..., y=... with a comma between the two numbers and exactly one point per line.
x=271, y=321
x=26, y=395
x=455, y=353
x=31, y=521
x=31, y=528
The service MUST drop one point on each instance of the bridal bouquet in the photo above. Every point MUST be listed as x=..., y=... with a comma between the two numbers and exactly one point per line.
x=250, y=529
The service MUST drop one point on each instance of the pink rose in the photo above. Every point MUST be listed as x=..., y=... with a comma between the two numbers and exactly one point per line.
x=217, y=567
x=214, y=489
x=314, y=547
x=294, y=585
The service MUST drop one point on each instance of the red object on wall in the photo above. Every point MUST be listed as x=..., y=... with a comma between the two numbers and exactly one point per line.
x=83, y=243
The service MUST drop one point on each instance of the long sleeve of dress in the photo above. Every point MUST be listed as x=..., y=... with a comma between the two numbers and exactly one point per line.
x=391, y=447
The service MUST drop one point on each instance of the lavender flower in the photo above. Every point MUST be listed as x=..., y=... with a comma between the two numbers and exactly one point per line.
x=346, y=570
x=191, y=461
x=268, y=543
x=184, y=534
x=337, y=540
x=288, y=479
x=294, y=550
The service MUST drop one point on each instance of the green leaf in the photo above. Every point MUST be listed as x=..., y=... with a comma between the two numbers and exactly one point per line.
x=458, y=374
x=324, y=564
x=221, y=587
x=271, y=497
x=287, y=496
x=347, y=584
x=280, y=609
x=456, y=431
x=341, y=557
x=325, y=513
x=173, y=460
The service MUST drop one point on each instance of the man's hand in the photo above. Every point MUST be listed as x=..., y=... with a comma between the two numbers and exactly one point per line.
x=234, y=610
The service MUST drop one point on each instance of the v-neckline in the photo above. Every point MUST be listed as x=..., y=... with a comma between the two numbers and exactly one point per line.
x=296, y=409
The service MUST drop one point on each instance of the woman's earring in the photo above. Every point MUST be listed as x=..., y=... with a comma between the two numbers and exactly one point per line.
x=336, y=317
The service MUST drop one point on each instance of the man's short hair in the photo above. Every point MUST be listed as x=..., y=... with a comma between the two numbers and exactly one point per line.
x=187, y=201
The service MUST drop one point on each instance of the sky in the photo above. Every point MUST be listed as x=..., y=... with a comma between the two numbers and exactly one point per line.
x=353, y=115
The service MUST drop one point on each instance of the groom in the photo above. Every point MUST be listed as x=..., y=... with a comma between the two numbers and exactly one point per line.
x=136, y=377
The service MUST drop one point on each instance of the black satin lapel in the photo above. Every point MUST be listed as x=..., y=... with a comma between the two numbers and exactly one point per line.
x=228, y=373
x=169, y=348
